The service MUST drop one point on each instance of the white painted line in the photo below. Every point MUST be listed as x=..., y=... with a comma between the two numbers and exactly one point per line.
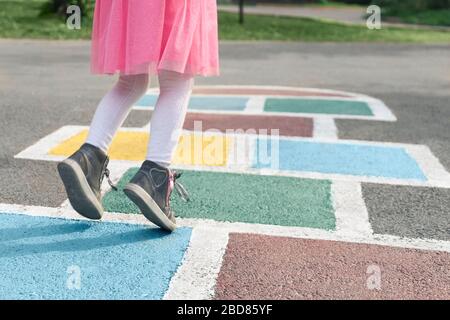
x=380, y=110
x=352, y=218
x=325, y=128
x=39, y=150
x=318, y=234
x=430, y=165
x=255, y=104
x=196, y=278
x=339, y=177
x=236, y=227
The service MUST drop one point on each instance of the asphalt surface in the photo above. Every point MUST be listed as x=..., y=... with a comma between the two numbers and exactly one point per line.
x=46, y=84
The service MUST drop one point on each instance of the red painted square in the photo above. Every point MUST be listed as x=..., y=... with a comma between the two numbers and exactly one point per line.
x=288, y=126
x=266, y=267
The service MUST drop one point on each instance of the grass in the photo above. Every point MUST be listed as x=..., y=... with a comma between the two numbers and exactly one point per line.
x=21, y=19
x=324, y=4
x=304, y=29
x=427, y=17
x=332, y=4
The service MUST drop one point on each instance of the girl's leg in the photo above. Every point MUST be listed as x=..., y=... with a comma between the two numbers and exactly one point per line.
x=82, y=173
x=168, y=116
x=151, y=187
x=114, y=108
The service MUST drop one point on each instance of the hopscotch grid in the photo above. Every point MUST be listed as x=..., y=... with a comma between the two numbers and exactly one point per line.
x=435, y=173
x=380, y=111
x=54, y=139
x=196, y=275
x=239, y=227
x=281, y=114
x=345, y=231
x=62, y=134
x=271, y=87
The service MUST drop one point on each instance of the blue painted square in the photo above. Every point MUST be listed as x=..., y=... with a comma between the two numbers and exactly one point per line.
x=339, y=158
x=218, y=103
x=149, y=100
x=204, y=103
x=40, y=258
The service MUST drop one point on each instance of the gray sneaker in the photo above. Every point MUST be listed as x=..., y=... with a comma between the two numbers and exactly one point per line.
x=150, y=190
x=82, y=174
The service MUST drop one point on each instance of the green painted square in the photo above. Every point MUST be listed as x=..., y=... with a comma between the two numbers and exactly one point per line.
x=341, y=107
x=284, y=201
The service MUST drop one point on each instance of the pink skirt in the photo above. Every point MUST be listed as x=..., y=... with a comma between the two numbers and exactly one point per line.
x=146, y=36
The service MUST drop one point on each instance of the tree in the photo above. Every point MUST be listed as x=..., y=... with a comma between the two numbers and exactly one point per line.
x=241, y=11
x=59, y=7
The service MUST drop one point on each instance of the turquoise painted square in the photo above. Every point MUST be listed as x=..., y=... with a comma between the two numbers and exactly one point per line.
x=247, y=198
x=149, y=100
x=338, y=158
x=204, y=103
x=321, y=106
x=41, y=258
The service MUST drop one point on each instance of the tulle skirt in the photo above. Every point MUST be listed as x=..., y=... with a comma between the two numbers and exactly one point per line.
x=146, y=36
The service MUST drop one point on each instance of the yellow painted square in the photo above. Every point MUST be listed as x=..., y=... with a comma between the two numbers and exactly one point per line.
x=192, y=149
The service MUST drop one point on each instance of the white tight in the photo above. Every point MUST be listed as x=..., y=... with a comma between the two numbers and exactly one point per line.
x=167, y=117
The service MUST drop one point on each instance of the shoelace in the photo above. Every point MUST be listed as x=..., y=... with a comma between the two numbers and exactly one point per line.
x=179, y=188
x=106, y=174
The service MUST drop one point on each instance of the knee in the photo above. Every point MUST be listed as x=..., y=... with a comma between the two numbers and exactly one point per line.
x=136, y=84
x=170, y=80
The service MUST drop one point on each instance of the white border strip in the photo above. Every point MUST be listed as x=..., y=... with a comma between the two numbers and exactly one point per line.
x=235, y=227
x=196, y=278
x=39, y=150
x=429, y=164
x=255, y=104
x=352, y=218
x=325, y=128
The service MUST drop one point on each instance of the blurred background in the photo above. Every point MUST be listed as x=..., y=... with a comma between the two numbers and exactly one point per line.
x=303, y=20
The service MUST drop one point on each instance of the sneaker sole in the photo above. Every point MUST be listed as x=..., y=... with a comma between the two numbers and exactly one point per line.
x=148, y=207
x=80, y=194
